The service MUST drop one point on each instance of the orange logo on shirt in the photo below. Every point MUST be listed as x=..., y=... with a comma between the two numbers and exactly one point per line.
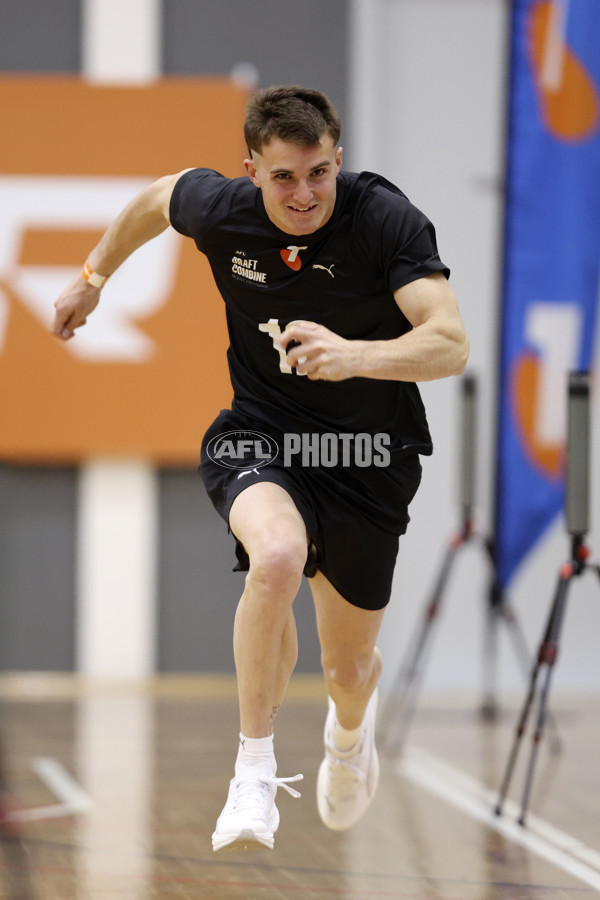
x=291, y=258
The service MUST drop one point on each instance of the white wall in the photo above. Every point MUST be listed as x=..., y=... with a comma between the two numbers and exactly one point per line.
x=427, y=111
x=118, y=499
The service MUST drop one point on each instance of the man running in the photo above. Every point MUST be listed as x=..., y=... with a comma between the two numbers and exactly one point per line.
x=337, y=303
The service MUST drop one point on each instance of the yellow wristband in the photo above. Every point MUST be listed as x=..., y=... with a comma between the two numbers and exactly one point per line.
x=92, y=277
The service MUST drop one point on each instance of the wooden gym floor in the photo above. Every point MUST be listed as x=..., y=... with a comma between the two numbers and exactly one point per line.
x=118, y=790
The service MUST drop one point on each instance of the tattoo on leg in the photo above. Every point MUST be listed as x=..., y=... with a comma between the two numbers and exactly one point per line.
x=274, y=712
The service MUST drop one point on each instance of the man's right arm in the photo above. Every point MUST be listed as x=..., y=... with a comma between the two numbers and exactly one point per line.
x=145, y=217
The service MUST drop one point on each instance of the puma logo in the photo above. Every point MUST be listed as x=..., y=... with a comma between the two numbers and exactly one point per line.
x=325, y=269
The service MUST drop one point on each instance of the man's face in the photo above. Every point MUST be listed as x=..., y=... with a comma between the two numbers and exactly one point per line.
x=297, y=183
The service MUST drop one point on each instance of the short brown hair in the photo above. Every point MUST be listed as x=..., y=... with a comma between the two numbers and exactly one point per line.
x=291, y=113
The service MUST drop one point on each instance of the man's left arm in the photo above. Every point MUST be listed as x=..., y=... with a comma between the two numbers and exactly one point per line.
x=435, y=347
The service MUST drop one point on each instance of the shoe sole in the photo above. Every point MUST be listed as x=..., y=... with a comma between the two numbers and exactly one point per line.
x=248, y=838
x=246, y=841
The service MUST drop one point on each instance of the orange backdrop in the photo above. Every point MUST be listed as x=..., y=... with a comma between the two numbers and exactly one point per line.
x=67, y=138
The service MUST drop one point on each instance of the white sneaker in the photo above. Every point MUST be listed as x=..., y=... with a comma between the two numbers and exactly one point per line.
x=347, y=781
x=250, y=818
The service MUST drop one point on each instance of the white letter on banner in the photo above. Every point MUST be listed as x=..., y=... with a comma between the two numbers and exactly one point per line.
x=4, y=308
x=555, y=331
x=137, y=290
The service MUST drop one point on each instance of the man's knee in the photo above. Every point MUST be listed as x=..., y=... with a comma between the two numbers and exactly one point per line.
x=276, y=564
x=272, y=532
x=347, y=670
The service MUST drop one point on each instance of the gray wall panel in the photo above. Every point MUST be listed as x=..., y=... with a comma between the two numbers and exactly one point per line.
x=287, y=41
x=198, y=592
x=37, y=564
x=40, y=35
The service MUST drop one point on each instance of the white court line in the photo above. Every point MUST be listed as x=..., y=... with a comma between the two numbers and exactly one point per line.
x=73, y=798
x=474, y=799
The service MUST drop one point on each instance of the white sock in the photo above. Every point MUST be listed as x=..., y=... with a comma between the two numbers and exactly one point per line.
x=256, y=751
x=345, y=738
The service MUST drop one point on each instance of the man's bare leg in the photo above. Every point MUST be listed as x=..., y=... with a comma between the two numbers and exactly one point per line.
x=352, y=664
x=265, y=519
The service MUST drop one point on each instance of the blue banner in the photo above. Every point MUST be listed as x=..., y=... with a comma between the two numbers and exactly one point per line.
x=551, y=259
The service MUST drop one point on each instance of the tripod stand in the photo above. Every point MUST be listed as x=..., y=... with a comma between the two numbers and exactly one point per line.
x=402, y=699
x=577, y=496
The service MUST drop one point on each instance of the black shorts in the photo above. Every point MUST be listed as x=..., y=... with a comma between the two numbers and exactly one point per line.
x=353, y=515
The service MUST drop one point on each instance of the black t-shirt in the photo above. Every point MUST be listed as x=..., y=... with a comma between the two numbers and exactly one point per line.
x=342, y=276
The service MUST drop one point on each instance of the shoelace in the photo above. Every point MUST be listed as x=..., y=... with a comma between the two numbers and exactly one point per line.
x=251, y=790
x=283, y=782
